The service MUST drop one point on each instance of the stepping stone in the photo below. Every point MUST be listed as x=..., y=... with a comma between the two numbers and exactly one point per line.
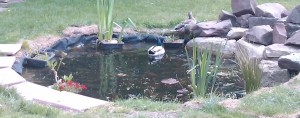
x=3, y=9
x=9, y=77
x=9, y=49
x=63, y=100
x=7, y=62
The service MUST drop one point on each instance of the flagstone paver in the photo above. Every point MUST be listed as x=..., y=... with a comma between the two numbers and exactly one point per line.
x=9, y=49
x=64, y=100
x=7, y=61
x=3, y=9
x=9, y=77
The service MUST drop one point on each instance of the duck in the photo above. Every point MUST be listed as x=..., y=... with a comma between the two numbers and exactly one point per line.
x=156, y=51
x=189, y=21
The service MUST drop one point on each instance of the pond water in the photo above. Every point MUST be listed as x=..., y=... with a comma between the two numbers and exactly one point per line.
x=129, y=73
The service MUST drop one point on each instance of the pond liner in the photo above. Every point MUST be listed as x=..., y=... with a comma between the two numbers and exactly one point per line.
x=38, y=63
x=18, y=65
x=64, y=44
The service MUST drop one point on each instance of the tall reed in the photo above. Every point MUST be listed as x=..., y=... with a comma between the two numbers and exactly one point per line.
x=200, y=71
x=105, y=20
x=249, y=68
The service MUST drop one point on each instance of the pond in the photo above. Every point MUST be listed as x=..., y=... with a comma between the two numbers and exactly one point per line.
x=130, y=73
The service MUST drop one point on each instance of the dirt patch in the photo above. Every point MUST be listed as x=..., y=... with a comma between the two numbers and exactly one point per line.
x=230, y=103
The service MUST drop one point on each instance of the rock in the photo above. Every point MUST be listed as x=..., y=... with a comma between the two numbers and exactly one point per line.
x=294, y=16
x=170, y=81
x=224, y=15
x=257, y=21
x=294, y=40
x=228, y=46
x=253, y=51
x=271, y=10
x=241, y=7
x=260, y=34
x=272, y=74
x=211, y=28
x=243, y=20
x=278, y=50
x=290, y=62
x=279, y=33
x=236, y=33
x=291, y=28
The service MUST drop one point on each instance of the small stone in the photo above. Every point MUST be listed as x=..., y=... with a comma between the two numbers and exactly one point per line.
x=170, y=81
x=224, y=15
x=214, y=43
x=279, y=33
x=257, y=21
x=260, y=34
x=243, y=20
x=278, y=50
x=271, y=10
x=294, y=16
x=272, y=74
x=253, y=51
x=242, y=7
x=290, y=62
x=236, y=33
x=294, y=40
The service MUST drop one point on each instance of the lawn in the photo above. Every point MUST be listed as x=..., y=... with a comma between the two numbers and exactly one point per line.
x=35, y=18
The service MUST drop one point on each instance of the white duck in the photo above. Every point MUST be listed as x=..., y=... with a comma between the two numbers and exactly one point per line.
x=156, y=51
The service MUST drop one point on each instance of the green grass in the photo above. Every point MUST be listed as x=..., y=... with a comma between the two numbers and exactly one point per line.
x=143, y=104
x=12, y=105
x=211, y=109
x=35, y=18
x=279, y=101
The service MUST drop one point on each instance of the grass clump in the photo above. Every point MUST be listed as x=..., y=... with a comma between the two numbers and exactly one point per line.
x=250, y=69
x=143, y=104
x=279, y=101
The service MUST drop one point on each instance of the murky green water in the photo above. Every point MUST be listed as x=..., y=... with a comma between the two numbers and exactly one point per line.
x=128, y=73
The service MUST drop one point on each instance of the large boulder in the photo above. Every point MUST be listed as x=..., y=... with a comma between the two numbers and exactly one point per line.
x=294, y=16
x=227, y=46
x=294, y=40
x=291, y=28
x=279, y=33
x=290, y=62
x=272, y=10
x=212, y=28
x=243, y=20
x=256, y=21
x=260, y=34
x=224, y=15
x=278, y=50
x=272, y=74
x=236, y=33
x=241, y=7
x=253, y=51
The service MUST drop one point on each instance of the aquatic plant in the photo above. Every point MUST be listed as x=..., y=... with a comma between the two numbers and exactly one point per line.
x=105, y=20
x=126, y=23
x=249, y=68
x=200, y=71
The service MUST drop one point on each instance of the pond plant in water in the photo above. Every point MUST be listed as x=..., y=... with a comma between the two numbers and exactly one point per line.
x=201, y=72
x=66, y=83
x=105, y=25
x=249, y=69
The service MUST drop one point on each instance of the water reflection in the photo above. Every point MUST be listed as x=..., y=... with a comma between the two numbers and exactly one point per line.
x=128, y=73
